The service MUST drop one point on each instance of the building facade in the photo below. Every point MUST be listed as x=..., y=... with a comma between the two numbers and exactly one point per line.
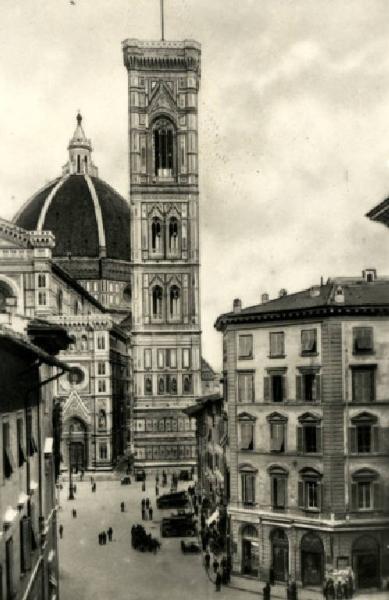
x=163, y=85
x=94, y=394
x=29, y=462
x=306, y=387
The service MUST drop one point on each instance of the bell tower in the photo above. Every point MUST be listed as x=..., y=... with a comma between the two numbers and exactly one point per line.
x=163, y=86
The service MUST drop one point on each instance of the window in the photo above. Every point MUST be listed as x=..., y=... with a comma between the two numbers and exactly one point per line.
x=20, y=442
x=278, y=486
x=248, y=488
x=173, y=235
x=308, y=342
x=363, y=384
x=275, y=386
x=163, y=148
x=9, y=569
x=365, y=490
x=363, y=340
x=156, y=235
x=246, y=432
x=101, y=368
x=364, y=434
x=102, y=419
x=277, y=346
x=309, y=489
x=103, y=451
x=25, y=544
x=8, y=462
x=31, y=444
x=171, y=358
x=42, y=298
x=186, y=358
x=148, y=385
x=245, y=346
x=41, y=280
x=101, y=385
x=147, y=358
x=60, y=302
x=175, y=302
x=76, y=376
x=157, y=302
x=308, y=385
x=309, y=434
x=187, y=384
x=161, y=358
x=246, y=391
x=277, y=436
x=101, y=342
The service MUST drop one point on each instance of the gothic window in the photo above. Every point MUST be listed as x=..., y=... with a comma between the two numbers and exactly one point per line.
x=174, y=302
x=78, y=163
x=173, y=228
x=163, y=148
x=157, y=302
x=148, y=385
x=187, y=384
x=84, y=342
x=42, y=280
x=102, y=421
x=156, y=235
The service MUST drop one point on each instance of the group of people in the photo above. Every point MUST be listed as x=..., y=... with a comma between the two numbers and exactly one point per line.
x=140, y=540
x=146, y=509
x=104, y=536
x=343, y=589
x=221, y=570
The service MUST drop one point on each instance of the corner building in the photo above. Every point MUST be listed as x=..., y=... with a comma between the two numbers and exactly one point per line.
x=307, y=394
x=163, y=85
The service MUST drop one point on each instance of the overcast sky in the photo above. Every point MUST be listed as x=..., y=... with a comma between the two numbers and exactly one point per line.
x=294, y=124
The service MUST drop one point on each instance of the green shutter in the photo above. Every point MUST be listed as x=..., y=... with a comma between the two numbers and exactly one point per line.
x=299, y=382
x=354, y=496
x=266, y=389
x=301, y=501
x=300, y=439
x=352, y=439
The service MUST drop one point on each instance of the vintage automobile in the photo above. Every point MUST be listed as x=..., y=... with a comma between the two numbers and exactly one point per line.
x=140, y=475
x=190, y=547
x=178, y=526
x=174, y=500
x=126, y=480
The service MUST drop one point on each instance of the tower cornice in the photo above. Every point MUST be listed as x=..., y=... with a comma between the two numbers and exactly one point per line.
x=162, y=55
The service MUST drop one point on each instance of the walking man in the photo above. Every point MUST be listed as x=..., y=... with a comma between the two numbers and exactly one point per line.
x=207, y=560
x=61, y=531
x=218, y=581
x=110, y=534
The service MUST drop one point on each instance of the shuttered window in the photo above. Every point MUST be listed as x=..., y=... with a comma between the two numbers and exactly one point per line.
x=245, y=349
x=248, y=488
x=246, y=435
x=274, y=388
x=308, y=387
x=246, y=387
x=366, y=491
x=277, y=345
x=278, y=491
x=308, y=341
x=363, y=340
x=310, y=491
x=277, y=437
x=363, y=384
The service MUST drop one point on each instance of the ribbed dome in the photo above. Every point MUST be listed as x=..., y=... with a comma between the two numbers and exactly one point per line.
x=88, y=218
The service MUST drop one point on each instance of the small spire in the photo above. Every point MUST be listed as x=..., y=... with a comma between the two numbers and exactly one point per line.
x=80, y=151
x=79, y=118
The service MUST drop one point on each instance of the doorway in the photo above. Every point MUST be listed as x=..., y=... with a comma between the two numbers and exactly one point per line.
x=250, y=551
x=366, y=562
x=312, y=560
x=280, y=554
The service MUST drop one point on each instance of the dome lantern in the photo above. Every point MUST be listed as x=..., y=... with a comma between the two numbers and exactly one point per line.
x=80, y=153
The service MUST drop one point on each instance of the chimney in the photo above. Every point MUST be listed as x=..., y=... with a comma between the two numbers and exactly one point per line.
x=283, y=292
x=237, y=305
x=264, y=298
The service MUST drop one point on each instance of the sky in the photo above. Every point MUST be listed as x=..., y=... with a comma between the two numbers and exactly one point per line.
x=294, y=124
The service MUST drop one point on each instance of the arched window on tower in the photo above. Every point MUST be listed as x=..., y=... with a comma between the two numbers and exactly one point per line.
x=157, y=302
x=175, y=302
x=173, y=228
x=78, y=163
x=163, y=148
x=156, y=235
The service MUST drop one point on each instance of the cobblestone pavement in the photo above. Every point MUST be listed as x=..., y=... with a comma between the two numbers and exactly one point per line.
x=116, y=571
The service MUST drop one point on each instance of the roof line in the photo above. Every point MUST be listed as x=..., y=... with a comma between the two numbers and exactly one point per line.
x=59, y=270
x=47, y=202
x=98, y=213
x=30, y=198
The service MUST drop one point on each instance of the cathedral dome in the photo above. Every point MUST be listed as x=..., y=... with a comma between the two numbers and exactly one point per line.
x=87, y=216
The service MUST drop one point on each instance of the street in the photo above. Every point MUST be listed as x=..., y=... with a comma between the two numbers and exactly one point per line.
x=89, y=571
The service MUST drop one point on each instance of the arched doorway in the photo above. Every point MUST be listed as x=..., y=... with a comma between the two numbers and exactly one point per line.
x=312, y=559
x=5, y=293
x=250, y=551
x=366, y=562
x=77, y=438
x=280, y=554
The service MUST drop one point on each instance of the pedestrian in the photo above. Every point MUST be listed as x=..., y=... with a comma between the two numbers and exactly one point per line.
x=350, y=585
x=266, y=591
x=157, y=478
x=74, y=513
x=218, y=581
x=215, y=565
x=271, y=576
x=82, y=475
x=345, y=590
x=156, y=490
x=110, y=534
x=339, y=591
x=143, y=486
x=150, y=513
x=104, y=537
x=122, y=507
x=329, y=590
x=61, y=531
x=74, y=488
x=143, y=502
x=207, y=560
x=143, y=513
x=147, y=503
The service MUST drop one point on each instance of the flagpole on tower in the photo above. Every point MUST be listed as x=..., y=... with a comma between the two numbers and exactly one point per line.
x=162, y=23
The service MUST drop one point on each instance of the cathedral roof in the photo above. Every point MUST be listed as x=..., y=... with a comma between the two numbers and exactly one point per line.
x=87, y=216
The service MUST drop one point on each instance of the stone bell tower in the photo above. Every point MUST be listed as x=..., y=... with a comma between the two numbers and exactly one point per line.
x=163, y=86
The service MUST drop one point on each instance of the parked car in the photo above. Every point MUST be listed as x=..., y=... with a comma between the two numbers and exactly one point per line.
x=125, y=480
x=178, y=526
x=140, y=475
x=190, y=547
x=174, y=500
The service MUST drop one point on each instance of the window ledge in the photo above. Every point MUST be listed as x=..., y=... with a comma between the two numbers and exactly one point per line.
x=309, y=354
x=277, y=356
x=245, y=357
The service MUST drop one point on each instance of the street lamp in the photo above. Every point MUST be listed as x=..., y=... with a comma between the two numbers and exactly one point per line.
x=71, y=494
